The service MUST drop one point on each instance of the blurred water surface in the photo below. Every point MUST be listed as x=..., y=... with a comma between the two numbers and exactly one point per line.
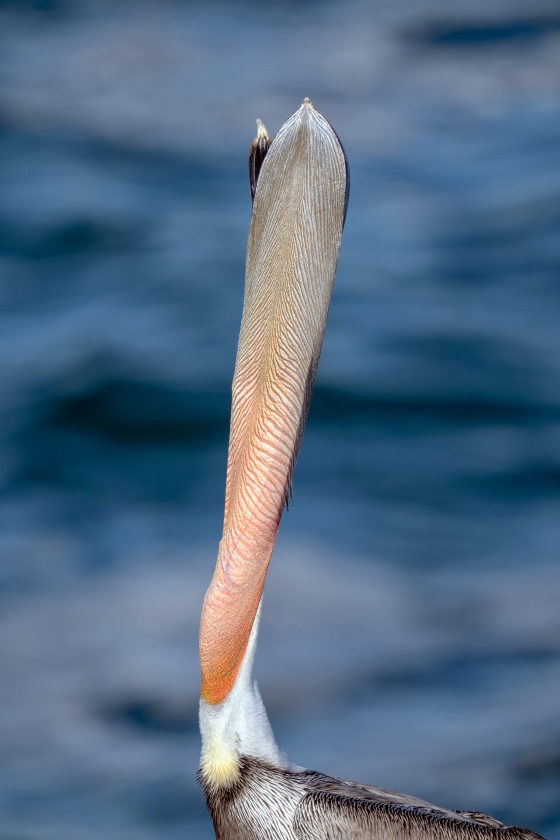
x=411, y=632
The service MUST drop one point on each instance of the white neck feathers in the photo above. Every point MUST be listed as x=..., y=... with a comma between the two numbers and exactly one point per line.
x=236, y=727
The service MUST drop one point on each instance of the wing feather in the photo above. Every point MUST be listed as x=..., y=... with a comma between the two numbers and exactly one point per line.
x=331, y=815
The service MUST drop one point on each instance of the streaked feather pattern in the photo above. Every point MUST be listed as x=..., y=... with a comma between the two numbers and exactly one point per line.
x=271, y=803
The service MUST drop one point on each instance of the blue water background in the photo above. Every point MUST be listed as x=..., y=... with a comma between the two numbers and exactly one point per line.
x=411, y=626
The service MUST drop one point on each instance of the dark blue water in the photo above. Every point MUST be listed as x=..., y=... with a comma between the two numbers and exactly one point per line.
x=411, y=623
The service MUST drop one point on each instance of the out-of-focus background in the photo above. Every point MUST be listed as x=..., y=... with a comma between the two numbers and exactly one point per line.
x=411, y=630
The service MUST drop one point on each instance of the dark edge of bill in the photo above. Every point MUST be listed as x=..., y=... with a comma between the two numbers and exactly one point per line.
x=257, y=153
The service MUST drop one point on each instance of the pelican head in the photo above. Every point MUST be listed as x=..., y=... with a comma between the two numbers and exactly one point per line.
x=300, y=187
x=292, y=253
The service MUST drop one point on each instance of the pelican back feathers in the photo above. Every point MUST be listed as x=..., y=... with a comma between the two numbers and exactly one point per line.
x=272, y=803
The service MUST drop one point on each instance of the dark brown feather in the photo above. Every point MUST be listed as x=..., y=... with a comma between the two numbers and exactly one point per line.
x=257, y=153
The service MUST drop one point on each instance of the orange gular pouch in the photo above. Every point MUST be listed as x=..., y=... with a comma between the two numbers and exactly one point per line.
x=300, y=193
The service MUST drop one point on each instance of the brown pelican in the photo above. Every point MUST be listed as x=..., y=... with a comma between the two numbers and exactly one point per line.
x=300, y=187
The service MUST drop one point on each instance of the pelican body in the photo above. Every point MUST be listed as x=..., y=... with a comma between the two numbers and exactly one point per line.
x=299, y=183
